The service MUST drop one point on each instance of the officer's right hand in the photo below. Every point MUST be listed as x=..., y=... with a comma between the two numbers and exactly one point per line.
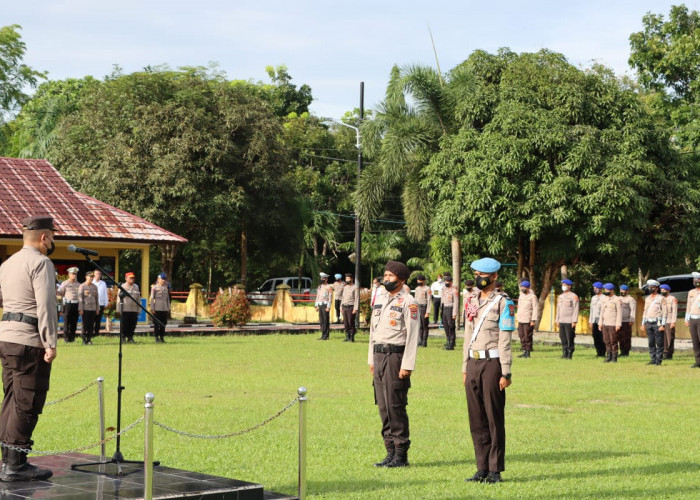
x=371, y=369
x=464, y=379
x=49, y=354
x=687, y=324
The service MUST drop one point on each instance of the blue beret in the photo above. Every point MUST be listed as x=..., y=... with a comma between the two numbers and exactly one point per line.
x=486, y=265
x=526, y=284
x=567, y=282
x=609, y=286
x=624, y=287
x=163, y=276
x=338, y=276
x=665, y=287
x=597, y=284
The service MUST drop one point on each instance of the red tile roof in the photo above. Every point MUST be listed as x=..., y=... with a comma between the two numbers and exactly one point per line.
x=34, y=187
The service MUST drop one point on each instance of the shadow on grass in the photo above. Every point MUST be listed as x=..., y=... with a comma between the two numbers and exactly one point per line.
x=356, y=486
x=566, y=456
x=622, y=492
x=633, y=471
x=440, y=463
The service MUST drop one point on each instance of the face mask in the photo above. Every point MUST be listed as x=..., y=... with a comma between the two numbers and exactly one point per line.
x=348, y=281
x=652, y=289
x=51, y=249
x=664, y=292
x=440, y=280
x=606, y=292
x=420, y=283
x=482, y=281
x=524, y=290
x=448, y=284
x=469, y=289
x=565, y=288
x=390, y=285
x=696, y=283
x=623, y=292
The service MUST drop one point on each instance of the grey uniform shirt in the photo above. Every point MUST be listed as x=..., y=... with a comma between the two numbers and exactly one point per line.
x=671, y=309
x=351, y=296
x=69, y=291
x=594, y=314
x=567, y=308
x=528, y=307
x=610, y=311
x=88, y=298
x=422, y=295
x=28, y=286
x=692, y=307
x=629, y=308
x=128, y=305
x=450, y=298
x=160, y=298
x=395, y=320
x=490, y=335
x=654, y=309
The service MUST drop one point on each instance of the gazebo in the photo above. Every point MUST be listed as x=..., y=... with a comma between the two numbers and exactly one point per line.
x=31, y=187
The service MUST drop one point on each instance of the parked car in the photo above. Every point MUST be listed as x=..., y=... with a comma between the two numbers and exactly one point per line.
x=264, y=295
x=680, y=285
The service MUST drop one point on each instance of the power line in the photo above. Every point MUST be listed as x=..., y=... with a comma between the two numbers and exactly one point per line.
x=346, y=216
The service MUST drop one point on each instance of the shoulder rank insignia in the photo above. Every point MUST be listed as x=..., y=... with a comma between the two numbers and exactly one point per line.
x=414, y=311
x=507, y=319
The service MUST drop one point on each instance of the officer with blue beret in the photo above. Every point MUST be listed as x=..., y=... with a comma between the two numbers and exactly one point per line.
x=567, y=317
x=486, y=368
x=594, y=319
x=527, y=315
x=629, y=312
x=671, y=316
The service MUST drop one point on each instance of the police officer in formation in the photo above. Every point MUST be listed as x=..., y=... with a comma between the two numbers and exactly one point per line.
x=692, y=317
x=393, y=343
x=450, y=304
x=629, y=308
x=324, y=299
x=671, y=316
x=654, y=322
x=88, y=306
x=436, y=293
x=69, y=293
x=128, y=309
x=610, y=321
x=567, y=317
x=486, y=369
x=594, y=319
x=424, y=301
x=528, y=310
x=338, y=293
x=350, y=304
x=160, y=305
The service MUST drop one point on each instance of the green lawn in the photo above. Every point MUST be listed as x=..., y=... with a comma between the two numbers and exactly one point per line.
x=576, y=429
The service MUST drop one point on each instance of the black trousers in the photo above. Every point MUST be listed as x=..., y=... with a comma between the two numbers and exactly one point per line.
x=98, y=320
x=391, y=397
x=625, y=338
x=695, y=337
x=449, y=323
x=437, y=301
x=25, y=382
x=127, y=324
x=598, y=340
x=70, y=321
x=159, y=331
x=324, y=318
x=423, y=340
x=349, y=320
x=337, y=310
x=486, y=403
x=88, y=325
x=655, y=339
x=567, y=335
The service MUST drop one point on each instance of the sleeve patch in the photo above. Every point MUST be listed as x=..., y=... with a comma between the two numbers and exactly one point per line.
x=507, y=319
x=414, y=311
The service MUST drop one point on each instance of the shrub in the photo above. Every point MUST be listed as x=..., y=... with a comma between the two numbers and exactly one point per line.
x=111, y=307
x=365, y=304
x=230, y=308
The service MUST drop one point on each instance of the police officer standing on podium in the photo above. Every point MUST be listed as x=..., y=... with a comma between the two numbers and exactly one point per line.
x=393, y=343
x=486, y=370
x=28, y=334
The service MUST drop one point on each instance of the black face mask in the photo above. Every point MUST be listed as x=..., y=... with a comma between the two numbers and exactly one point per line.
x=482, y=281
x=420, y=283
x=469, y=289
x=623, y=292
x=696, y=283
x=524, y=290
x=50, y=250
x=348, y=281
x=606, y=292
x=664, y=292
x=448, y=283
x=652, y=289
x=390, y=285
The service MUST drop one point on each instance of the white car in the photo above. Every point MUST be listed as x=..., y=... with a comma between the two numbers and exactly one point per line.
x=265, y=293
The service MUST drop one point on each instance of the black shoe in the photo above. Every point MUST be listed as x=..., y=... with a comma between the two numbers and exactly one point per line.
x=493, y=478
x=523, y=355
x=479, y=477
x=652, y=362
x=397, y=461
x=608, y=357
x=614, y=358
x=387, y=459
x=24, y=472
x=696, y=365
x=162, y=340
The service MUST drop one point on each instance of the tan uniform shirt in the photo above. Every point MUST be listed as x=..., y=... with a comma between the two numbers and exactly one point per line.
x=490, y=335
x=567, y=308
x=671, y=309
x=610, y=311
x=69, y=291
x=351, y=296
x=692, y=307
x=594, y=314
x=126, y=304
x=654, y=309
x=629, y=308
x=423, y=297
x=450, y=298
x=88, y=298
x=395, y=320
x=28, y=286
x=160, y=297
x=324, y=295
x=338, y=289
x=528, y=308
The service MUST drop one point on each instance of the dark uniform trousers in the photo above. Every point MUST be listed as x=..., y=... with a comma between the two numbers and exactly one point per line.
x=158, y=330
x=655, y=338
x=669, y=341
x=324, y=317
x=486, y=403
x=70, y=321
x=349, y=320
x=567, y=335
x=98, y=320
x=25, y=380
x=337, y=310
x=525, y=333
x=625, y=338
x=599, y=340
x=695, y=337
x=88, y=325
x=437, y=302
x=127, y=324
x=610, y=337
x=423, y=340
x=391, y=397
x=449, y=323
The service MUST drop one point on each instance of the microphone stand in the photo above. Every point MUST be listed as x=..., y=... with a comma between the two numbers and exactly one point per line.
x=117, y=458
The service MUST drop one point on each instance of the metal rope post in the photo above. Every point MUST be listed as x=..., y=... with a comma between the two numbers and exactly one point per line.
x=101, y=409
x=302, y=442
x=148, y=448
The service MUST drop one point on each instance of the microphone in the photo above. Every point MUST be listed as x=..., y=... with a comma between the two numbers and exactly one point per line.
x=84, y=251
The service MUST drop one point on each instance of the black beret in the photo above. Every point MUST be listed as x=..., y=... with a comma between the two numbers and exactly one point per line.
x=38, y=222
x=448, y=277
x=348, y=275
x=420, y=277
x=398, y=268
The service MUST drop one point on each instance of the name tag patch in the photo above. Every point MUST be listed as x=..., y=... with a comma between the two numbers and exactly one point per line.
x=397, y=309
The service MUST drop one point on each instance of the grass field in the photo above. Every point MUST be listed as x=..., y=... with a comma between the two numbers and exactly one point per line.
x=576, y=429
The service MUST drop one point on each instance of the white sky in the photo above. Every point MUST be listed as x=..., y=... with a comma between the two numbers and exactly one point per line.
x=330, y=45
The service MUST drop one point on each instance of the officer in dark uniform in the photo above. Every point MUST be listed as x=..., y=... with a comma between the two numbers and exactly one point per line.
x=486, y=369
x=393, y=342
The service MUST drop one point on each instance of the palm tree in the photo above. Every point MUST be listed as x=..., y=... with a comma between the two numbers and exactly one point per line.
x=377, y=248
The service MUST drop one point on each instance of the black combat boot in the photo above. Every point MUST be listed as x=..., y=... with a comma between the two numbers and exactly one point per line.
x=614, y=358
x=389, y=445
x=347, y=337
x=18, y=469
x=400, y=457
x=564, y=353
x=571, y=354
x=523, y=354
x=527, y=354
x=479, y=477
x=608, y=357
x=352, y=337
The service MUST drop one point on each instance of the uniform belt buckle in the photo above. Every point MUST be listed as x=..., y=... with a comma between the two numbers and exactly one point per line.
x=476, y=355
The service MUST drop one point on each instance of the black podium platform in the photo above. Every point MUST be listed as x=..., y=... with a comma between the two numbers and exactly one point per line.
x=168, y=483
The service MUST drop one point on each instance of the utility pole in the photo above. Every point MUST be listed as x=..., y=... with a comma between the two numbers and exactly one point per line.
x=358, y=229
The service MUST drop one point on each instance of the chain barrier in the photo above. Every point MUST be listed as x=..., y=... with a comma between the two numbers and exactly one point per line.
x=232, y=434
x=72, y=395
x=74, y=450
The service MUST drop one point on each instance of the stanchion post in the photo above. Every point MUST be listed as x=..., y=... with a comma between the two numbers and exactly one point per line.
x=148, y=448
x=101, y=409
x=302, y=441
